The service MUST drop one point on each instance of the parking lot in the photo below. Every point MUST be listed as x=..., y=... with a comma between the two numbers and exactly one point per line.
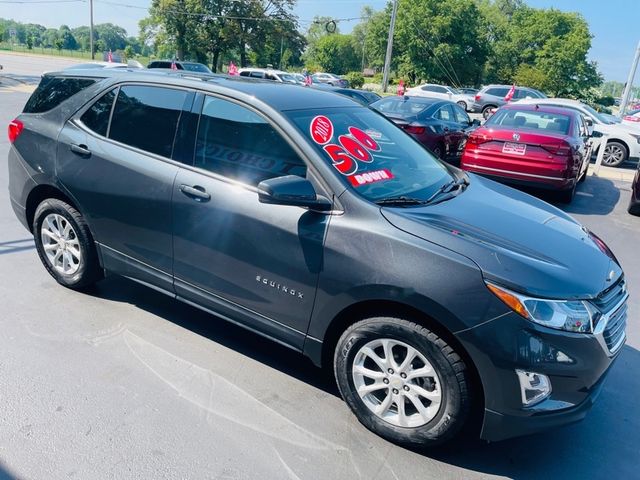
x=124, y=382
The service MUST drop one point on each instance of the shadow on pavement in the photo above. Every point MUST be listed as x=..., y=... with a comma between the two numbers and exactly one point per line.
x=14, y=246
x=595, y=196
x=605, y=442
x=600, y=447
x=216, y=329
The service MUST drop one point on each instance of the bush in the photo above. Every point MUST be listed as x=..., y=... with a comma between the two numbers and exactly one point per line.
x=356, y=79
x=606, y=101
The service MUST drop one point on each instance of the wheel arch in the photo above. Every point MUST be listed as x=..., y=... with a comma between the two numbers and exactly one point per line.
x=618, y=140
x=376, y=308
x=42, y=192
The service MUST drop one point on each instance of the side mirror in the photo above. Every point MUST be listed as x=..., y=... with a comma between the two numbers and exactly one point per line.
x=474, y=123
x=294, y=191
x=596, y=134
x=589, y=122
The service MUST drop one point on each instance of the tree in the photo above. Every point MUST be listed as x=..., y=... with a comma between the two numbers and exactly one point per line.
x=336, y=53
x=113, y=37
x=68, y=40
x=542, y=48
x=440, y=41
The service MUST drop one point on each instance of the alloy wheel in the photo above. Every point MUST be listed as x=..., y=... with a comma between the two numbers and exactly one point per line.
x=613, y=154
x=60, y=243
x=397, y=383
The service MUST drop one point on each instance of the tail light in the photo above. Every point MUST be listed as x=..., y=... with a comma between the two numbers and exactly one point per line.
x=478, y=97
x=631, y=118
x=414, y=129
x=562, y=149
x=479, y=139
x=15, y=129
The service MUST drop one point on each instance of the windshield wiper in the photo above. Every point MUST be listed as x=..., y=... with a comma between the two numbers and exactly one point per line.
x=399, y=201
x=447, y=188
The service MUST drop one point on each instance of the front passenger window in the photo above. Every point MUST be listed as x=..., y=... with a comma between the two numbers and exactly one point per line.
x=237, y=143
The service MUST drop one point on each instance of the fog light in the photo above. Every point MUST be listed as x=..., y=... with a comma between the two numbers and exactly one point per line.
x=534, y=387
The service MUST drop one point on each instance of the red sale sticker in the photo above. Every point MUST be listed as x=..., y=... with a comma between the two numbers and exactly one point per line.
x=321, y=129
x=370, y=177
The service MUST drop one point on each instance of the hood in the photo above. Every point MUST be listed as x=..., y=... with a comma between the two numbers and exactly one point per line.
x=516, y=240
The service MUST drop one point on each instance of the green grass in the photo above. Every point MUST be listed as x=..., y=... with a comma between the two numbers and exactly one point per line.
x=54, y=52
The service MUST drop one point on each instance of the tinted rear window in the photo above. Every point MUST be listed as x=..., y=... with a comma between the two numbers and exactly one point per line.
x=400, y=106
x=97, y=117
x=52, y=91
x=532, y=120
x=147, y=118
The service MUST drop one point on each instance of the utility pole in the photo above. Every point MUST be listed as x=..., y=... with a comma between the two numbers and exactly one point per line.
x=387, y=58
x=93, y=55
x=629, y=87
x=281, y=46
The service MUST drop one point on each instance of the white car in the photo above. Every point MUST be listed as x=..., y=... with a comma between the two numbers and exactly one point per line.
x=442, y=92
x=632, y=118
x=623, y=139
x=92, y=65
x=268, y=74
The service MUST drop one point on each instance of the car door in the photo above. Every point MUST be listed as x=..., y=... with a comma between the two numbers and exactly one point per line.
x=450, y=134
x=121, y=173
x=250, y=261
x=462, y=123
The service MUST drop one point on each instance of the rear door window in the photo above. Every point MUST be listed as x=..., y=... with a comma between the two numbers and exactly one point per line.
x=146, y=117
x=239, y=144
x=445, y=114
x=97, y=117
x=52, y=91
x=498, y=92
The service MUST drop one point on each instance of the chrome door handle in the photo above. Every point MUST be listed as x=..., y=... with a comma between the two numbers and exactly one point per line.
x=197, y=192
x=81, y=150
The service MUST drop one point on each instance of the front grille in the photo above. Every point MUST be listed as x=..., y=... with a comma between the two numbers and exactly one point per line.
x=614, y=331
x=614, y=313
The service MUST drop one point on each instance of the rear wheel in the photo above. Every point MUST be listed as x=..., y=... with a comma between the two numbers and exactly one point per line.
x=463, y=105
x=438, y=151
x=615, y=153
x=65, y=245
x=634, y=208
x=402, y=381
x=566, y=196
x=486, y=111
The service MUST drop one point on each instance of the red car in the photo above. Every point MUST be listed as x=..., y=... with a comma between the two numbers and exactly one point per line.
x=533, y=145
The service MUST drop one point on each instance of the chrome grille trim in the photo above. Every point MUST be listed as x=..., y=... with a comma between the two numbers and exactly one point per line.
x=610, y=329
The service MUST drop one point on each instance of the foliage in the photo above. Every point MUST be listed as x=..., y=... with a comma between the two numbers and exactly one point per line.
x=335, y=53
x=356, y=80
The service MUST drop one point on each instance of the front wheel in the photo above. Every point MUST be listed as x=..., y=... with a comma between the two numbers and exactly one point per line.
x=402, y=381
x=463, y=105
x=486, y=111
x=65, y=245
x=615, y=153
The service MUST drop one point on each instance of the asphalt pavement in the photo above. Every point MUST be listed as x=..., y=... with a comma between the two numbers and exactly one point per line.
x=126, y=383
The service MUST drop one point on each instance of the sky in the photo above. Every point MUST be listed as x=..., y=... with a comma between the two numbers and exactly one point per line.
x=613, y=23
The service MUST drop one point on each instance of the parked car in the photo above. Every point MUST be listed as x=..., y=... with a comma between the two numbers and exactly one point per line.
x=632, y=118
x=269, y=74
x=364, y=97
x=439, y=125
x=531, y=145
x=634, y=203
x=180, y=65
x=314, y=221
x=84, y=66
x=493, y=96
x=330, y=79
x=623, y=140
x=442, y=92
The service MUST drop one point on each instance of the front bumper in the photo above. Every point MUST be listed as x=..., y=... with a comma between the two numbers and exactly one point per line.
x=576, y=365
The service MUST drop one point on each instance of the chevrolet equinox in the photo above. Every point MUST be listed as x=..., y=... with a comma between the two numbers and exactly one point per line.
x=435, y=295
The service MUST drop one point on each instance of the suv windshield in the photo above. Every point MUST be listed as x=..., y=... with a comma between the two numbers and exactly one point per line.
x=371, y=154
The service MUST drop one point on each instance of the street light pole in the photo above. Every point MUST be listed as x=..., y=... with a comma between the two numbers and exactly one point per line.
x=387, y=58
x=93, y=56
x=629, y=87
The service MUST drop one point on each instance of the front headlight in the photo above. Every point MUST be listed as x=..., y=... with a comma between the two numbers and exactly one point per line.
x=570, y=315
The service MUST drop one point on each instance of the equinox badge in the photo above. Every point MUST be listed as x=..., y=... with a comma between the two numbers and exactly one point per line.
x=278, y=286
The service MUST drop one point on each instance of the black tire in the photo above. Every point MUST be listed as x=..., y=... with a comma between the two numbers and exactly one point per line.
x=634, y=208
x=463, y=105
x=438, y=151
x=621, y=147
x=586, y=172
x=566, y=196
x=89, y=271
x=451, y=370
x=486, y=111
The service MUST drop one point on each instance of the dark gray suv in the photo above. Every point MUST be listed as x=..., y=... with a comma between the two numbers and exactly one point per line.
x=434, y=295
x=493, y=96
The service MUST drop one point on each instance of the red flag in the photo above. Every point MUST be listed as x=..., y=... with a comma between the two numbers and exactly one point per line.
x=509, y=95
x=308, y=81
x=173, y=65
x=109, y=56
x=233, y=70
